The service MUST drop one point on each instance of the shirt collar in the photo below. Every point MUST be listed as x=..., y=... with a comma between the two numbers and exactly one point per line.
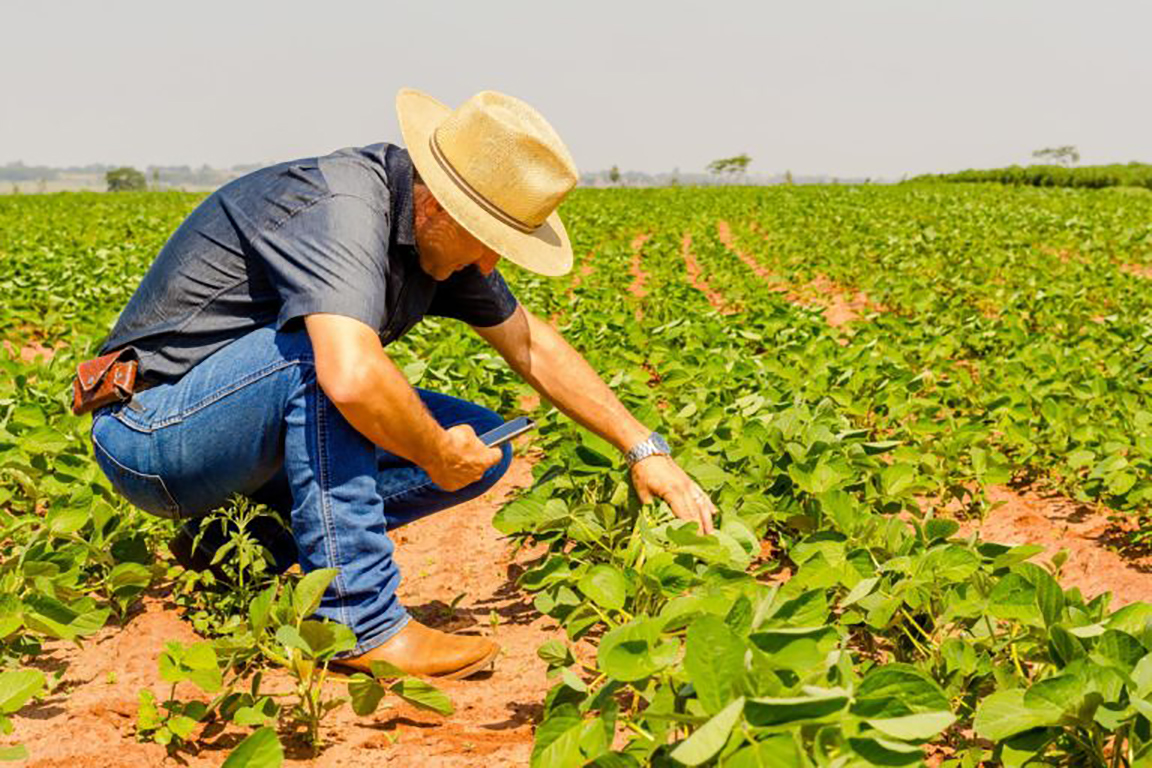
x=399, y=169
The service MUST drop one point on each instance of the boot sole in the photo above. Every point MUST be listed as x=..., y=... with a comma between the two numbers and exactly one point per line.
x=487, y=662
x=340, y=671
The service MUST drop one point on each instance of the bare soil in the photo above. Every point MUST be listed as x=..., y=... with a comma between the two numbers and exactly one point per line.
x=89, y=721
x=1089, y=534
x=639, y=276
x=1139, y=270
x=840, y=305
x=698, y=281
x=30, y=351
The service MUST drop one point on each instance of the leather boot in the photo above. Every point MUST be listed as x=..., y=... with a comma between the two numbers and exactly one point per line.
x=426, y=652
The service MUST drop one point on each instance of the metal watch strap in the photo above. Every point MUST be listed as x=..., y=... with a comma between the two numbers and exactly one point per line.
x=653, y=445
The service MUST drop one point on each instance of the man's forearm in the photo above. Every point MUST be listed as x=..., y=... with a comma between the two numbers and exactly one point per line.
x=370, y=391
x=388, y=411
x=562, y=375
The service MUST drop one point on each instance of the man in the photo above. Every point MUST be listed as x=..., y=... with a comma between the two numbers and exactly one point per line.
x=259, y=333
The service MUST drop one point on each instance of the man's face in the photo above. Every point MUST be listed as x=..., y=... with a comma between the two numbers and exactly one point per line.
x=445, y=246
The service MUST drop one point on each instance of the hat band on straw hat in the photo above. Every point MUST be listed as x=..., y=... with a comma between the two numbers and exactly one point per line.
x=473, y=193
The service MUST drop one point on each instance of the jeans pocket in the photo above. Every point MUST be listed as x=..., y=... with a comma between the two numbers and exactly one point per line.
x=148, y=492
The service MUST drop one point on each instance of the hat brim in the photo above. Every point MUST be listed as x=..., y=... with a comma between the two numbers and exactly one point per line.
x=546, y=250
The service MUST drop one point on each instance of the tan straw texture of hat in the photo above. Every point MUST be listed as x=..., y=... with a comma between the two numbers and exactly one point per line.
x=498, y=168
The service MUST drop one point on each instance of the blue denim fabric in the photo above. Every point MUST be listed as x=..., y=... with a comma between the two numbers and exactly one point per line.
x=251, y=419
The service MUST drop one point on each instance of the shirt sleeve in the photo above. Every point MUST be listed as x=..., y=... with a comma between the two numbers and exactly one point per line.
x=330, y=257
x=477, y=299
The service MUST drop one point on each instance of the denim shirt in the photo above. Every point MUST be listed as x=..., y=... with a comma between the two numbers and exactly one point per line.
x=332, y=234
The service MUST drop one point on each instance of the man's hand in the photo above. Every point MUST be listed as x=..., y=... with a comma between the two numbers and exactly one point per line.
x=373, y=395
x=463, y=459
x=660, y=476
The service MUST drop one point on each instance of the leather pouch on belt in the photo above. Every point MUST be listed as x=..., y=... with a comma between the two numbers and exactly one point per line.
x=103, y=380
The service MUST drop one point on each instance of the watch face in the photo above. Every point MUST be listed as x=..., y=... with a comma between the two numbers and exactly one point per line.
x=660, y=443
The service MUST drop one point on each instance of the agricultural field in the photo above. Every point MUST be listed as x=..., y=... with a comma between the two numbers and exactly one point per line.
x=924, y=412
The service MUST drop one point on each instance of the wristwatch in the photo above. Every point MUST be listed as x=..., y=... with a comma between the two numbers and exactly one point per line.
x=654, y=445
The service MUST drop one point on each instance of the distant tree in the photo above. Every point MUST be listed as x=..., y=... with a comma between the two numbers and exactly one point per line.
x=614, y=175
x=788, y=177
x=155, y=178
x=1066, y=155
x=124, y=179
x=675, y=182
x=731, y=167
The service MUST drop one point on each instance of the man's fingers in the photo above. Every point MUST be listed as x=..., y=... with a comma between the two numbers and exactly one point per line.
x=692, y=506
x=705, y=507
x=494, y=455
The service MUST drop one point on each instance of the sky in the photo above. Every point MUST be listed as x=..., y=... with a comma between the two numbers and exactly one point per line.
x=869, y=88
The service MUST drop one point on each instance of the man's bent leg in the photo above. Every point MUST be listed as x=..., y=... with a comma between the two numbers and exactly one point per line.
x=229, y=426
x=408, y=493
x=338, y=517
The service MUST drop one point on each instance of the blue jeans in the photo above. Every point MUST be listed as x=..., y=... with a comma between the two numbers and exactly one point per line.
x=251, y=419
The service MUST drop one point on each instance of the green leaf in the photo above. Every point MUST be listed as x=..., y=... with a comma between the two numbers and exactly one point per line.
x=382, y=670
x=796, y=648
x=897, y=478
x=63, y=522
x=424, y=695
x=862, y=589
x=951, y=563
x=885, y=752
x=938, y=528
x=17, y=687
x=1118, y=648
x=1014, y=597
x=327, y=638
x=918, y=727
x=309, y=591
x=605, y=586
x=181, y=725
x=147, y=713
x=289, y=637
x=709, y=738
x=261, y=749
x=260, y=609
x=365, y=694
x=128, y=579
x=17, y=752
x=714, y=661
x=1005, y=714
x=634, y=651
x=897, y=690
x=263, y=712
x=778, y=751
x=557, y=742
x=1063, y=692
x=765, y=712
x=555, y=653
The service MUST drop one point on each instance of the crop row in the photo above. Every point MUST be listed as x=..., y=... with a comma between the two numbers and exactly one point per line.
x=836, y=618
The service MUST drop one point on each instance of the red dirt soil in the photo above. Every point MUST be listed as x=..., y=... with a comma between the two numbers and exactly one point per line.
x=90, y=722
x=697, y=280
x=1139, y=270
x=29, y=352
x=1056, y=522
x=639, y=276
x=840, y=305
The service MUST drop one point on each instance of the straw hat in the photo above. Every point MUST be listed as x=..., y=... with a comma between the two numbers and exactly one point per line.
x=497, y=167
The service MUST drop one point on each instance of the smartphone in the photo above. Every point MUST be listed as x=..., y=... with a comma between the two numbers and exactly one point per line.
x=507, y=431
